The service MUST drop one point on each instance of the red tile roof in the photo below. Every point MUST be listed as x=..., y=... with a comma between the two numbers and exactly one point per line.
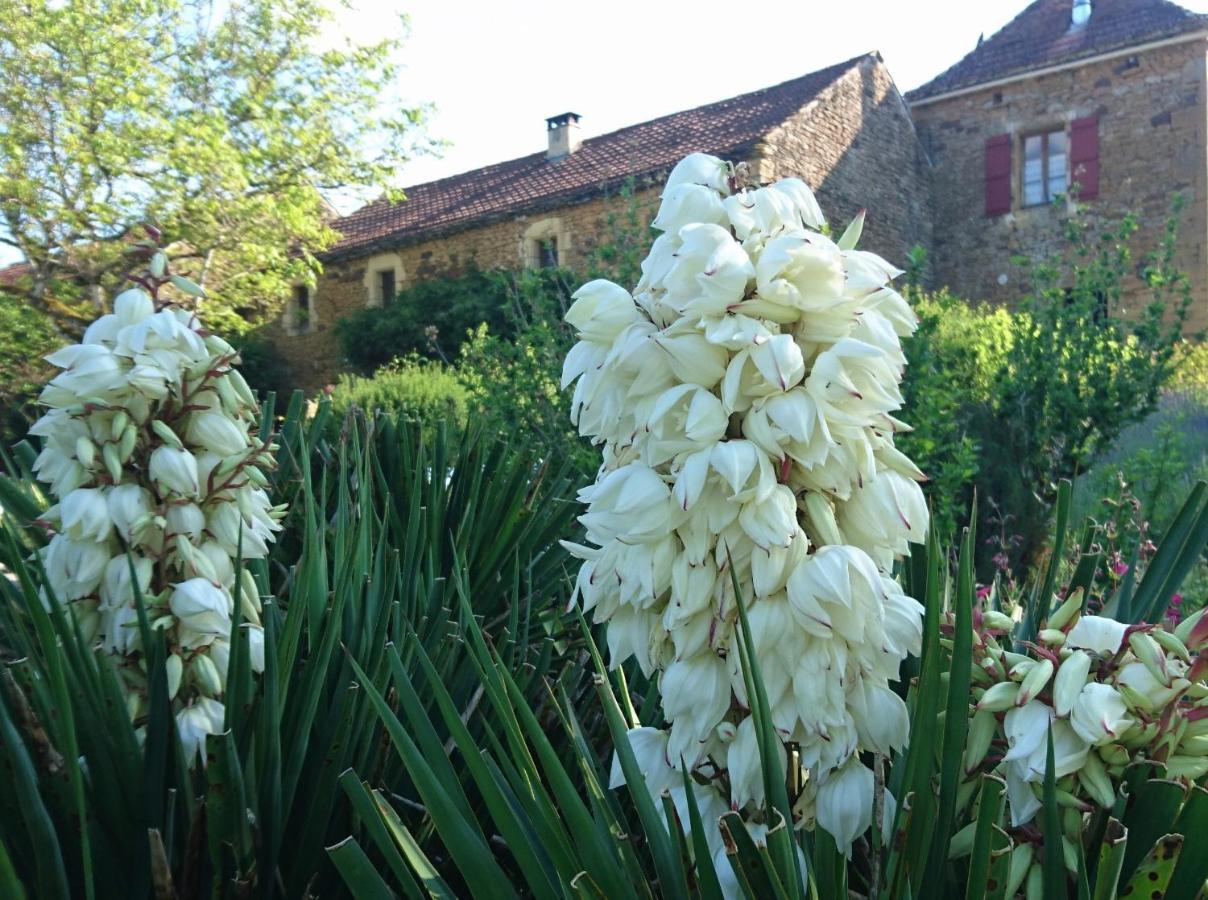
x=533, y=183
x=1042, y=36
x=10, y=274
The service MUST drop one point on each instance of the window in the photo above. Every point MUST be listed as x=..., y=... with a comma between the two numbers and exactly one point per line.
x=547, y=253
x=545, y=245
x=383, y=278
x=299, y=314
x=386, y=287
x=1045, y=167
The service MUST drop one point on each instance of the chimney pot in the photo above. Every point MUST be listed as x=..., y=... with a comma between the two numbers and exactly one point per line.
x=563, y=131
x=1081, y=13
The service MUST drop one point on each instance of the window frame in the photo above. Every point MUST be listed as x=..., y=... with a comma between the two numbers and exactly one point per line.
x=1047, y=195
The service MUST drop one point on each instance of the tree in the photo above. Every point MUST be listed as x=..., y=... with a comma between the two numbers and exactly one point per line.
x=222, y=123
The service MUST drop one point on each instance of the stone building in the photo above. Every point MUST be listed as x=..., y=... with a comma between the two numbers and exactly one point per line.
x=1107, y=97
x=845, y=129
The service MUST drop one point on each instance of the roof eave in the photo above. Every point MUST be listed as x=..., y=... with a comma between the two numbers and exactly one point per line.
x=1198, y=34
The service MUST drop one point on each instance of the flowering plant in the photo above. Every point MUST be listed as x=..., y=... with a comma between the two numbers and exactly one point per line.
x=1106, y=696
x=149, y=448
x=743, y=397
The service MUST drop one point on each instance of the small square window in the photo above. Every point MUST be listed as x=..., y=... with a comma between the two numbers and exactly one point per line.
x=386, y=286
x=1045, y=167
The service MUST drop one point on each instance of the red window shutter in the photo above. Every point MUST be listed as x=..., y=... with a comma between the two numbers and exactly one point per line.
x=1084, y=156
x=998, y=175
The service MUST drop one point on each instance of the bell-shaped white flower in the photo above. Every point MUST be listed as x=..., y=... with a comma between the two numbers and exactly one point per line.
x=696, y=694
x=117, y=588
x=702, y=169
x=882, y=720
x=649, y=747
x=174, y=471
x=203, y=610
x=710, y=273
x=688, y=204
x=75, y=568
x=845, y=799
x=84, y=514
x=195, y=723
x=217, y=433
x=601, y=311
x=1098, y=634
x=887, y=513
x=1100, y=714
x=800, y=271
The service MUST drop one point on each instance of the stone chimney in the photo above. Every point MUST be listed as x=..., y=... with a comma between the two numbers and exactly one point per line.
x=564, y=136
x=1081, y=13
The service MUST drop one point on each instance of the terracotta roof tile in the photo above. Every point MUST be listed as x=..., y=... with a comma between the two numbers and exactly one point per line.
x=9, y=274
x=532, y=182
x=1042, y=36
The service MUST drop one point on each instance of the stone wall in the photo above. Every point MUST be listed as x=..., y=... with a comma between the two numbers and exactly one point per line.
x=1152, y=128
x=855, y=145
x=312, y=355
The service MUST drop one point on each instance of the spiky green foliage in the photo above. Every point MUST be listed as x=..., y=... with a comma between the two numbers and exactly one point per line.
x=430, y=723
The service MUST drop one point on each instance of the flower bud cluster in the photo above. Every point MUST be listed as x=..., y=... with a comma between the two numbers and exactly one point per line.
x=149, y=445
x=743, y=397
x=1111, y=695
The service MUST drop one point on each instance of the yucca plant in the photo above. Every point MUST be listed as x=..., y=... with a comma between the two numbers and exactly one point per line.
x=381, y=525
x=550, y=827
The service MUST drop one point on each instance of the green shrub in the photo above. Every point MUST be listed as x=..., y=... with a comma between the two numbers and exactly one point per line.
x=515, y=381
x=434, y=317
x=26, y=335
x=1080, y=368
x=1190, y=375
x=1010, y=403
x=413, y=388
x=955, y=357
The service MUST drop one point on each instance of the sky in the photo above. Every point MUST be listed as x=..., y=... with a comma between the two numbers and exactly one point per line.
x=494, y=70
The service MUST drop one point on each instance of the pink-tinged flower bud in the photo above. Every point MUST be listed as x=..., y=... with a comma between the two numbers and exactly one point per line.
x=1000, y=697
x=1151, y=655
x=1095, y=781
x=1071, y=677
x=1035, y=681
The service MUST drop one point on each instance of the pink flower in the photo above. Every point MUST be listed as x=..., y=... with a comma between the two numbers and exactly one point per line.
x=983, y=592
x=1120, y=568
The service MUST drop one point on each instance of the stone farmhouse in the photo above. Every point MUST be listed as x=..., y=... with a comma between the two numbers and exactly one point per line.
x=1106, y=95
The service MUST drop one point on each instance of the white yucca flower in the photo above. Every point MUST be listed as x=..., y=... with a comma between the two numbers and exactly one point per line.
x=150, y=446
x=744, y=398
